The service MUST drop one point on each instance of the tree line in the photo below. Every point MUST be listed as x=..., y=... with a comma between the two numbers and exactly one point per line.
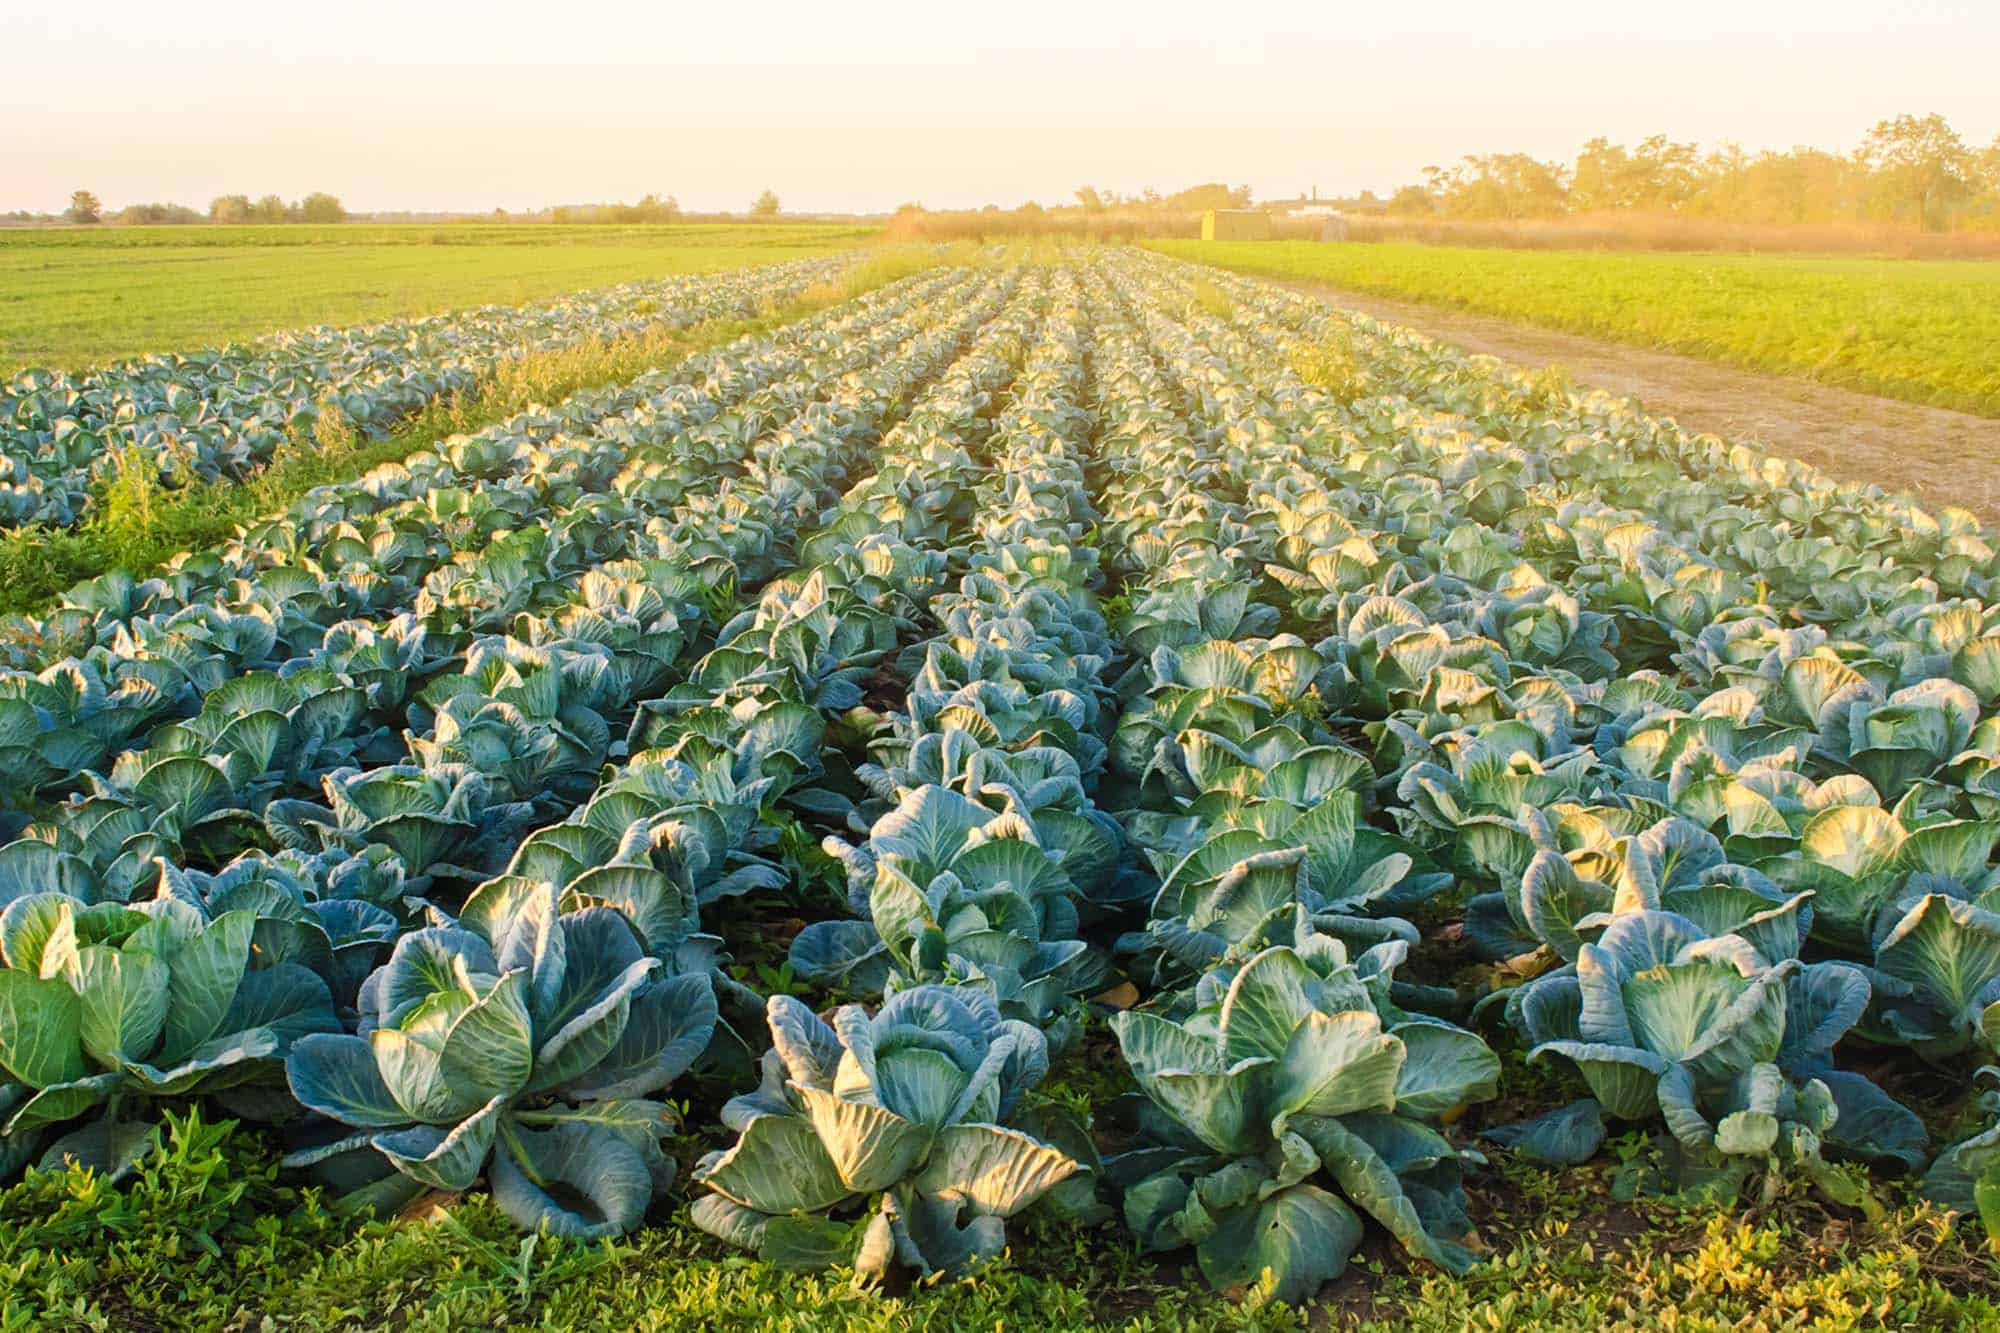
x=1909, y=170
x=652, y=208
x=1912, y=170
x=1097, y=215
x=85, y=210
x=1194, y=199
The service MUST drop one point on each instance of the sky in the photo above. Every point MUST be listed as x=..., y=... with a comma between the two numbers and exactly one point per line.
x=450, y=105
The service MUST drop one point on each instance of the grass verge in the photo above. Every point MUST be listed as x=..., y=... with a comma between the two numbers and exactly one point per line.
x=1923, y=333
x=136, y=524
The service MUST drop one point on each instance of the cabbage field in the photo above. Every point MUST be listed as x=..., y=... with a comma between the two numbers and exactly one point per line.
x=1095, y=746
x=221, y=413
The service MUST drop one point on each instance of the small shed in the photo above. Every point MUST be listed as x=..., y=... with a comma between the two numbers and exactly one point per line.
x=1236, y=224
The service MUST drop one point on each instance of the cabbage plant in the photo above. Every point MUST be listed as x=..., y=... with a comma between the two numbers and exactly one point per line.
x=1733, y=1053
x=950, y=886
x=1293, y=1101
x=900, y=1114
x=1937, y=974
x=1250, y=871
x=523, y=1046
x=104, y=1009
x=335, y=914
x=1583, y=872
x=435, y=819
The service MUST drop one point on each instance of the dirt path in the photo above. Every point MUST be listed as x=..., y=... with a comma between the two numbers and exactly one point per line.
x=1944, y=457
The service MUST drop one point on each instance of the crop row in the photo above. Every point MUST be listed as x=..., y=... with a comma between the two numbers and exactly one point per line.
x=222, y=412
x=1090, y=631
x=509, y=730
x=386, y=579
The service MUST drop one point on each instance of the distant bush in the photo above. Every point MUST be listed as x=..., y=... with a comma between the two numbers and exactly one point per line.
x=236, y=209
x=154, y=215
x=321, y=207
x=650, y=209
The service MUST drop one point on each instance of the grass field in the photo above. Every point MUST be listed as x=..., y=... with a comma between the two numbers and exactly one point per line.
x=208, y=1236
x=1924, y=333
x=72, y=297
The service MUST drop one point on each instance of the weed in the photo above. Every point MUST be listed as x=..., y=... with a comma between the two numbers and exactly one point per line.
x=1331, y=364
x=1212, y=300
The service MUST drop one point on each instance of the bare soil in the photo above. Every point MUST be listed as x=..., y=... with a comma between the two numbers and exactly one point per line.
x=1940, y=456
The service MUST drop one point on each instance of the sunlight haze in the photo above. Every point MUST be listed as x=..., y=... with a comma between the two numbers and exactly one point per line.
x=1070, y=667
x=518, y=105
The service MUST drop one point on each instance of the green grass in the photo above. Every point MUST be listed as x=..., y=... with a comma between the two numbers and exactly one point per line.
x=1925, y=333
x=209, y=1235
x=137, y=526
x=74, y=297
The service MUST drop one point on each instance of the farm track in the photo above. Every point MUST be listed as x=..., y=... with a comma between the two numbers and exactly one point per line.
x=1941, y=456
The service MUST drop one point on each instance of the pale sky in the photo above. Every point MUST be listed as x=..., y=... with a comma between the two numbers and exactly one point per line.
x=453, y=104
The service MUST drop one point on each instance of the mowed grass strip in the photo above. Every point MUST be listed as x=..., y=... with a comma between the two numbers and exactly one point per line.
x=76, y=297
x=1924, y=332
x=137, y=525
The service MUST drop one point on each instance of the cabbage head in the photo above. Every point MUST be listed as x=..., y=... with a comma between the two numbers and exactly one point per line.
x=106, y=1008
x=1294, y=1100
x=525, y=1053
x=908, y=1105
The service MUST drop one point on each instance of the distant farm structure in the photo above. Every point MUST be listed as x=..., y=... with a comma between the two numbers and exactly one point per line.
x=1236, y=224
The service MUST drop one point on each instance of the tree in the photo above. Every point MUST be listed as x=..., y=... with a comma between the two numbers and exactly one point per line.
x=231, y=209
x=1412, y=201
x=1091, y=200
x=1658, y=176
x=1799, y=185
x=84, y=209
x=652, y=208
x=1910, y=167
x=766, y=205
x=1596, y=185
x=269, y=209
x=1921, y=162
x=156, y=215
x=1508, y=186
x=1201, y=198
x=321, y=207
